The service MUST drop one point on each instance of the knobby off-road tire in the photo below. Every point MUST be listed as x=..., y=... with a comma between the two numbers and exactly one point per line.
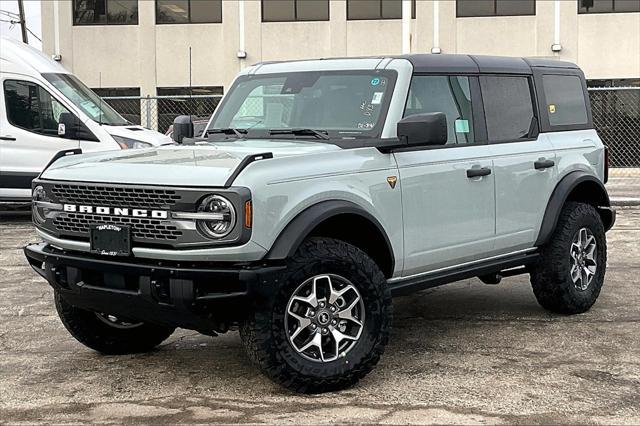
x=266, y=334
x=109, y=337
x=551, y=277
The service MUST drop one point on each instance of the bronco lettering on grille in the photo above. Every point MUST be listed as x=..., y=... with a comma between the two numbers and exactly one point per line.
x=116, y=211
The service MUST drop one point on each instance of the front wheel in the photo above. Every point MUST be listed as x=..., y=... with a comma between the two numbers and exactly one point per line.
x=570, y=273
x=109, y=334
x=328, y=323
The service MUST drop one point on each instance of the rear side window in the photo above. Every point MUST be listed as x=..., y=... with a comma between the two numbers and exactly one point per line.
x=565, y=100
x=32, y=108
x=448, y=94
x=508, y=107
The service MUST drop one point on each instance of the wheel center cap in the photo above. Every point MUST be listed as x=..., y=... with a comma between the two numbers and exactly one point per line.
x=324, y=318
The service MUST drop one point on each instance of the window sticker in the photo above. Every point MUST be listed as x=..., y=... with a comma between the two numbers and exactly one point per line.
x=552, y=109
x=375, y=81
x=377, y=98
x=462, y=126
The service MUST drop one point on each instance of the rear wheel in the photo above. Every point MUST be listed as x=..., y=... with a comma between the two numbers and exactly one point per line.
x=329, y=322
x=109, y=334
x=570, y=274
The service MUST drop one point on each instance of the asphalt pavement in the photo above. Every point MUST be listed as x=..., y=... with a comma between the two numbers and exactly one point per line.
x=465, y=353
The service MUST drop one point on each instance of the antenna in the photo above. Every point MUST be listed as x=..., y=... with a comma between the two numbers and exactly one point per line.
x=190, y=84
x=100, y=86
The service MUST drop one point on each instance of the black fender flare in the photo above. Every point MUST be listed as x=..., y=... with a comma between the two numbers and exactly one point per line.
x=561, y=193
x=299, y=228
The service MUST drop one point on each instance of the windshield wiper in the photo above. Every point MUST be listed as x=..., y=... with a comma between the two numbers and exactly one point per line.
x=322, y=134
x=229, y=131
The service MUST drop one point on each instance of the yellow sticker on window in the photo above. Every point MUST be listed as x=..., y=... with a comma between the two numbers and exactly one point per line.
x=552, y=109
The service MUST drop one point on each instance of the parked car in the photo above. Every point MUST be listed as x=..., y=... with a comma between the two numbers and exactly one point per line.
x=320, y=190
x=45, y=109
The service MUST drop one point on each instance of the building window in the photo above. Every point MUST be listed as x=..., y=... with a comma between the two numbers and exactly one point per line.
x=608, y=6
x=127, y=104
x=475, y=8
x=508, y=107
x=188, y=11
x=295, y=10
x=105, y=12
x=199, y=101
x=377, y=9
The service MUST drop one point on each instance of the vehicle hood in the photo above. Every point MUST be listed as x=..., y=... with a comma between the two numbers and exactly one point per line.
x=138, y=133
x=208, y=164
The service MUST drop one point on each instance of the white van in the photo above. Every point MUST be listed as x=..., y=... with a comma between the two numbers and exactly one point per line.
x=45, y=109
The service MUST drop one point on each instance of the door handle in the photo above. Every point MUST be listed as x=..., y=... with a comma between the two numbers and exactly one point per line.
x=543, y=164
x=478, y=172
x=7, y=138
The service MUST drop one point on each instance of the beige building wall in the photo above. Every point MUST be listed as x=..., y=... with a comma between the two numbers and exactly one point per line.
x=150, y=56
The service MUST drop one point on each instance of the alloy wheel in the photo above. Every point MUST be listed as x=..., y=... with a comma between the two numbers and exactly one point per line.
x=324, y=318
x=583, y=259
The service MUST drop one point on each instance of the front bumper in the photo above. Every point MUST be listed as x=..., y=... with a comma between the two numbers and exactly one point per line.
x=196, y=295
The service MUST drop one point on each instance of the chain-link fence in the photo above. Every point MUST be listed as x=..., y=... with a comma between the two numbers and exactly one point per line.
x=158, y=112
x=616, y=116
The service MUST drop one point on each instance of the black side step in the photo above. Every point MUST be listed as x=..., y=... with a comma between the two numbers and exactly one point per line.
x=436, y=279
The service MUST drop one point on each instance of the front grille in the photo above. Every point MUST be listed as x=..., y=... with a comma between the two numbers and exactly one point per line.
x=141, y=228
x=148, y=198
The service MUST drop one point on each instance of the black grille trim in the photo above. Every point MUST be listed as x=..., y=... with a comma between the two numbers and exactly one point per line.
x=141, y=228
x=113, y=196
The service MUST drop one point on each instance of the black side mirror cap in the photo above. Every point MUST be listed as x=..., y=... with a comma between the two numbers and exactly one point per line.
x=423, y=129
x=182, y=128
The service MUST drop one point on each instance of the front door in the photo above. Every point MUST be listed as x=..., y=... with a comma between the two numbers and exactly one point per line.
x=28, y=135
x=447, y=191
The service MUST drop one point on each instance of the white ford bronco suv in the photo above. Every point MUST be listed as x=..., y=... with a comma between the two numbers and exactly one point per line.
x=319, y=190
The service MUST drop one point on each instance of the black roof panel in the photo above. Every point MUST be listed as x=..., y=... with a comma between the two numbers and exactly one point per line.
x=438, y=63
x=501, y=64
x=429, y=63
x=550, y=63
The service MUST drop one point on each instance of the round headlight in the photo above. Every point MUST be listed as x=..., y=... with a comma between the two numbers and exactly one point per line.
x=39, y=213
x=223, y=217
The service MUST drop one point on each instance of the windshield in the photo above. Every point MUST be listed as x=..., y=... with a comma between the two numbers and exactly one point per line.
x=85, y=99
x=344, y=104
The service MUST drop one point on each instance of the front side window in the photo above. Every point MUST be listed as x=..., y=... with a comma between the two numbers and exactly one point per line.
x=32, y=108
x=448, y=94
x=85, y=99
x=377, y=9
x=295, y=10
x=471, y=8
x=508, y=107
x=608, y=6
x=565, y=100
x=342, y=105
x=105, y=12
x=188, y=11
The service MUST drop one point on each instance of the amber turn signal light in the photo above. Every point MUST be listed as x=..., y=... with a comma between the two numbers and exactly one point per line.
x=247, y=214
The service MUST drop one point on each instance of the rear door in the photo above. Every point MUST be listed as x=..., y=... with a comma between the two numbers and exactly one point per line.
x=524, y=161
x=28, y=134
x=448, y=213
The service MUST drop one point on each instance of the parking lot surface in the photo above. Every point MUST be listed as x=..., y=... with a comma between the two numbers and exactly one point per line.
x=464, y=353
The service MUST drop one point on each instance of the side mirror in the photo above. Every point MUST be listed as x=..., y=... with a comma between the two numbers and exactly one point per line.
x=182, y=128
x=423, y=129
